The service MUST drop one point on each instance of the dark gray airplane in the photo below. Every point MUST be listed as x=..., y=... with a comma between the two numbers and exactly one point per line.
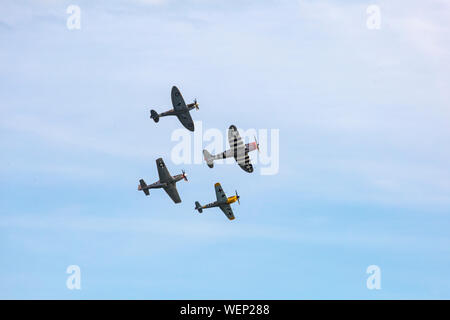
x=180, y=109
x=223, y=202
x=166, y=181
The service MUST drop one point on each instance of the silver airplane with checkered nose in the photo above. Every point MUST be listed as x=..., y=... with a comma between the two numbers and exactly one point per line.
x=237, y=150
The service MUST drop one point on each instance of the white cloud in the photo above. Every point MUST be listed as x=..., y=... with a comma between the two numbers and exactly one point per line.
x=423, y=25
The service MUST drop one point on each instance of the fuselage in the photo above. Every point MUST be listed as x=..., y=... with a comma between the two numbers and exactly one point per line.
x=173, y=112
x=230, y=153
x=158, y=184
x=229, y=200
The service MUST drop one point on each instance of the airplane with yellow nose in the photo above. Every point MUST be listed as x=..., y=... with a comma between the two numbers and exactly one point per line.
x=223, y=202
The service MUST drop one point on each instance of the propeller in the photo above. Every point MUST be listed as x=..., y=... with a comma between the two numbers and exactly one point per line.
x=196, y=104
x=257, y=144
x=184, y=175
x=237, y=197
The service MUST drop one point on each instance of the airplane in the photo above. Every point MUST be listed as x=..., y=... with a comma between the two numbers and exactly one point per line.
x=180, y=109
x=166, y=181
x=238, y=150
x=223, y=202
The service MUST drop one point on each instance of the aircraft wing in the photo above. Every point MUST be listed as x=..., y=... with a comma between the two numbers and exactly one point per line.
x=172, y=191
x=239, y=151
x=220, y=194
x=164, y=175
x=227, y=210
x=179, y=105
x=177, y=100
x=186, y=120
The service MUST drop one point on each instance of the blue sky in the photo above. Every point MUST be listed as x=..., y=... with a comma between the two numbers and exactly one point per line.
x=364, y=159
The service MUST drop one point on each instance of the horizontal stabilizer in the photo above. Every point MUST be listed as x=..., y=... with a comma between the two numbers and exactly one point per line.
x=154, y=115
x=198, y=207
x=143, y=187
x=208, y=158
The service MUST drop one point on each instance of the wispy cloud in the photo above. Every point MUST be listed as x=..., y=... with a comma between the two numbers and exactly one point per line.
x=423, y=30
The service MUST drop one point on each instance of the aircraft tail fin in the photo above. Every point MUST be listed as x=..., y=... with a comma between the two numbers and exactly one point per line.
x=143, y=187
x=154, y=115
x=198, y=207
x=208, y=158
